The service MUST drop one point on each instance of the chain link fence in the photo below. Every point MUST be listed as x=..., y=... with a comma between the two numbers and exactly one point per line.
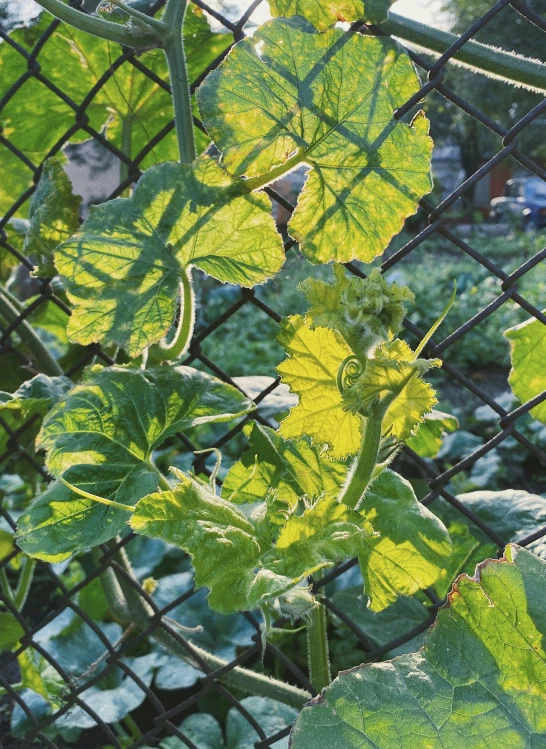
x=56, y=600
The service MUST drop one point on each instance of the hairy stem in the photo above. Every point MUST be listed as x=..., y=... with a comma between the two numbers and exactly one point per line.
x=114, y=32
x=480, y=58
x=128, y=607
x=317, y=649
x=362, y=469
x=25, y=581
x=176, y=60
x=126, y=145
x=5, y=587
x=45, y=362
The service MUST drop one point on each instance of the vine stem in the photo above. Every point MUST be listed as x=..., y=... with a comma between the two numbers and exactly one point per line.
x=129, y=608
x=186, y=322
x=113, y=32
x=317, y=648
x=496, y=63
x=44, y=360
x=176, y=60
x=362, y=469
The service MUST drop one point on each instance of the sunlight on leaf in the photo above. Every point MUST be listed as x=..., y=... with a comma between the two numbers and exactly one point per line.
x=412, y=547
x=325, y=13
x=528, y=355
x=291, y=469
x=311, y=370
x=333, y=96
x=122, y=271
x=100, y=438
x=54, y=215
x=480, y=678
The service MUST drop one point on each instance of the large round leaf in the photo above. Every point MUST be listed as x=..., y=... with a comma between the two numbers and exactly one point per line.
x=479, y=681
x=331, y=98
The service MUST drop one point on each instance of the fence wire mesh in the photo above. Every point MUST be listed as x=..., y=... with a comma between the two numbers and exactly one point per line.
x=57, y=596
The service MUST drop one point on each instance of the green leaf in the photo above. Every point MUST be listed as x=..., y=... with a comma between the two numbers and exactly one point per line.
x=314, y=357
x=412, y=547
x=325, y=13
x=220, y=540
x=291, y=468
x=528, y=352
x=33, y=398
x=327, y=532
x=206, y=733
x=479, y=680
x=10, y=631
x=122, y=272
x=223, y=544
x=328, y=100
x=100, y=438
x=35, y=118
x=36, y=396
x=54, y=215
x=512, y=514
x=38, y=674
x=427, y=440
x=381, y=627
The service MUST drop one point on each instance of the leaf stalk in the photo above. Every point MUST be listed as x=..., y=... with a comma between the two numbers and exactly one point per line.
x=100, y=27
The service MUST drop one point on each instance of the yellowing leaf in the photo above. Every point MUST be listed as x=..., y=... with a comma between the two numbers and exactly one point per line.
x=122, y=271
x=327, y=100
x=291, y=469
x=326, y=533
x=324, y=13
x=311, y=370
x=528, y=354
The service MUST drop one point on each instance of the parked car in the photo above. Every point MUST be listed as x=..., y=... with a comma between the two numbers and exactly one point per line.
x=523, y=203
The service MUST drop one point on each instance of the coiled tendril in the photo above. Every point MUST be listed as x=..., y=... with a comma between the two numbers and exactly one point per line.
x=348, y=373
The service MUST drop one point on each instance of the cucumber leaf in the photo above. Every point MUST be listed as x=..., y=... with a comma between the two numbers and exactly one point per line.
x=291, y=468
x=326, y=533
x=10, y=630
x=412, y=547
x=332, y=96
x=512, y=513
x=429, y=435
x=206, y=733
x=54, y=215
x=528, y=353
x=220, y=540
x=100, y=438
x=223, y=544
x=328, y=417
x=314, y=357
x=480, y=678
x=122, y=271
x=325, y=13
